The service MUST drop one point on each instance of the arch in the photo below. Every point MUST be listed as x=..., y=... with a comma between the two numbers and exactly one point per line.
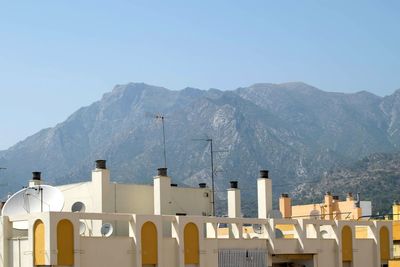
x=384, y=243
x=191, y=244
x=347, y=244
x=39, y=243
x=149, y=243
x=65, y=243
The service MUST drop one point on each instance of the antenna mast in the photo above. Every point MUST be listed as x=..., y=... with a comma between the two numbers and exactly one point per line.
x=210, y=140
x=162, y=118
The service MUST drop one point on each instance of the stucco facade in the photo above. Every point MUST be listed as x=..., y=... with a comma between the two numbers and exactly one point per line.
x=148, y=231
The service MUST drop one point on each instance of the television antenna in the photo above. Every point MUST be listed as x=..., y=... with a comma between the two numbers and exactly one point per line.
x=212, y=151
x=161, y=117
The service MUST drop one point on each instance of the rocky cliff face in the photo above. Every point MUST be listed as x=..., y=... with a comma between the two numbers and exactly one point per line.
x=294, y=130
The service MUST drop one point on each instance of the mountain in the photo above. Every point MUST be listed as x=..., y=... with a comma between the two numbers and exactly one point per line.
x=376, y=177
x=293, y=129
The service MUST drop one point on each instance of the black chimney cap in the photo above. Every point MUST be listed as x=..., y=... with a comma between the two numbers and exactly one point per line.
x=329, y=193
x=162, y=172
x=174, y=185
x=101, y=164
x=36, y=176
x=234, y=184
x=264, y=174
x=202, y=185
x=285, y=195
x=335, y=197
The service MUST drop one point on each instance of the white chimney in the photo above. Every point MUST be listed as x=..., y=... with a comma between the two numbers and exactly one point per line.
x=234, y=208
x=264, y=194
x=101, y=184
x=36, y=179
x=162, y=193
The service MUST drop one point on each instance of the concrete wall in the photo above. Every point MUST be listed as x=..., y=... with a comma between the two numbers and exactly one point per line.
x=19, y=252
x=107, y=252
x=138, y=199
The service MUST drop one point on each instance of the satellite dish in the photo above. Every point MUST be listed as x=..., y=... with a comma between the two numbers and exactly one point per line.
x=258, y=229
x=274, y=214
x=278, y=233
x=38, y=198
x=82, y=228
x=324, y=234
x=78, y=207
x=315, y=214
x=107, y=229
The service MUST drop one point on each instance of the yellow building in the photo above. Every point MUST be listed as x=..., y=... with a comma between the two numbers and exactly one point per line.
x=331, y=209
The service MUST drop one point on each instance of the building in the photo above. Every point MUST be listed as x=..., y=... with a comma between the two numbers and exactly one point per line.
x=331, y=209
x=106, y=224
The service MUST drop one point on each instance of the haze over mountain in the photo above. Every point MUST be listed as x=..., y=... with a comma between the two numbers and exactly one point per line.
x=296, y=131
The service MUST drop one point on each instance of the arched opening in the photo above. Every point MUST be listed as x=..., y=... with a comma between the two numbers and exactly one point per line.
x=191, y=244
x=384, y=244
x=149, y=244
x=65, y=243
x=39, y=243
x=347, y=246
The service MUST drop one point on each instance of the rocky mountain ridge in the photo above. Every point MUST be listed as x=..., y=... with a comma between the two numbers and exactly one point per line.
x=295, y=130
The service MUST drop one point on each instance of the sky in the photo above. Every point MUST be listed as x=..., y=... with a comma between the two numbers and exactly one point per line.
x=57, y=56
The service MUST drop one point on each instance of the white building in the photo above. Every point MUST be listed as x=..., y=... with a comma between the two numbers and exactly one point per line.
x=167, y=226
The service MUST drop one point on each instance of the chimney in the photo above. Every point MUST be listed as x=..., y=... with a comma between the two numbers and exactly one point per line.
x=234, y=209
x=349, y=197
x=101, y=184
x=264, y=194
x=101, y=164
x=202, y=185
x=162, y=172
x=36, y=176
x=285, y=206
x=328, y=203
x=162, y=193
x=396, y=211
x=36, y=179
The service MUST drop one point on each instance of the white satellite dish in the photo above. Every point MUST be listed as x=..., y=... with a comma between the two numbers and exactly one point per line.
x=107, y=229
x=38, y=198
x=315, y=214
x=278, y=233
x=258, y=228
x=82, y=228
x=274, y=214
x=324, y=234
x=78, y=207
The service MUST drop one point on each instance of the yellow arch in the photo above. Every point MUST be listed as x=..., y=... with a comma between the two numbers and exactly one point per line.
x=384, y=243
x=39, y=243
x=191, y=244
x=347, y=244
x=149, y=243
x=65, y=243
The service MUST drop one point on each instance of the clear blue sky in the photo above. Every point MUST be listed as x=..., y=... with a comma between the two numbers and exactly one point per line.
x=59, y=55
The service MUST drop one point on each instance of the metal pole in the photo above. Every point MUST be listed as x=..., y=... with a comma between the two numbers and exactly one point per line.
x=165, y=152
x=212, y=175
x=41, y=198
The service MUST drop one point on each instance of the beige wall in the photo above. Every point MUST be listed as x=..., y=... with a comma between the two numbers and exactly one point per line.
x=107, y=252
x=138, y=199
